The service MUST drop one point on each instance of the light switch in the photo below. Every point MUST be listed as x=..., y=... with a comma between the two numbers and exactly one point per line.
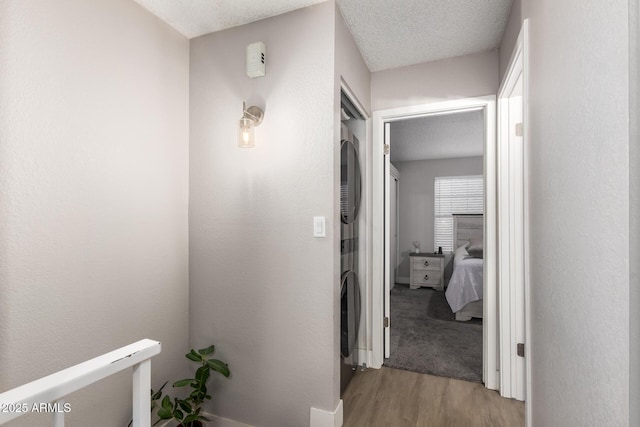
x=319, y=226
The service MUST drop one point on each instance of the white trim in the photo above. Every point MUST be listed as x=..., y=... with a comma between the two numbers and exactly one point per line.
x=387, y=248
x=363, y=356
x=527, y=241
x=54, y=387
x=365, y=209
x=394, y=171
x=322, y=418
x=216, y=421
x=488, y=104
x=514, y=265
x=344, y=86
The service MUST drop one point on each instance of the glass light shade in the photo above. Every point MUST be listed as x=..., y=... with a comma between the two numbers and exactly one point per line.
x=246, y=137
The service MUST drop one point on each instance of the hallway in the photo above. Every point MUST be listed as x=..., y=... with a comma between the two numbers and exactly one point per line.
x=392, y=397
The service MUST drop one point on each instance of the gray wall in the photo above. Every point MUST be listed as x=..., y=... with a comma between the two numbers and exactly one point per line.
x=94, y=189
x=454, y=78
x=262, y=287
x=416, y=200
x=634, y=213
x=510, y=36
x=579, y=175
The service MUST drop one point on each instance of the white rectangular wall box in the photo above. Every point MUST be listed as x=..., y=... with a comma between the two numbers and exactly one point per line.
x=256, y=60
x=319, y=226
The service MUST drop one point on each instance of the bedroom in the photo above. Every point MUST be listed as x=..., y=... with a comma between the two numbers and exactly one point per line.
x=437, y=167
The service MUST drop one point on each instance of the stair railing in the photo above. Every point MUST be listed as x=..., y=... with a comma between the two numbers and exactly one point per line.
x=47, y=394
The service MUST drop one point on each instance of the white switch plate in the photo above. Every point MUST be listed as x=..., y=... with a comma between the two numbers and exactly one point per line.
x=319, y=226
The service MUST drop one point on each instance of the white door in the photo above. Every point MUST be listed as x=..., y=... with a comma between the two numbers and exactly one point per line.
x=387, y=237
x=393, y=219
x=512, y=224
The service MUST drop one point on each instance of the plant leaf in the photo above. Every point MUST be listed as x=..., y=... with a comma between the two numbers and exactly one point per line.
x=185, y=406
x=164, y=414
x=182, y=383
x=178, y=415
x=194, y=356
x=167, y=404
x=202, y=374
x=158, y=394
x=207, y=351
x=219, y=366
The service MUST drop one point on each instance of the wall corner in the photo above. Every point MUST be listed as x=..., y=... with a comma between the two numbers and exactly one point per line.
x=322, y=418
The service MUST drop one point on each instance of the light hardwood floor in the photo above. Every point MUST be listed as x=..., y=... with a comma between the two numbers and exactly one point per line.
x=394, y=398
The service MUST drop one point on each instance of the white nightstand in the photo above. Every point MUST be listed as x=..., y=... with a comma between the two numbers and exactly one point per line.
x=427, y=270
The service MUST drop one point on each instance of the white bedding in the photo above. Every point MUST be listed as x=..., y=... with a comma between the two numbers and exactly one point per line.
x=465, y=285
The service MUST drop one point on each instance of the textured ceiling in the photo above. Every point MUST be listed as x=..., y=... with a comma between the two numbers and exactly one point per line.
x=396, y=33
x=194, y=18
x=389, y=33
x=438, y=137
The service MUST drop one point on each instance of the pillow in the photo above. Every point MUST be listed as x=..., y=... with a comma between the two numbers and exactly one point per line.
x=475, y=247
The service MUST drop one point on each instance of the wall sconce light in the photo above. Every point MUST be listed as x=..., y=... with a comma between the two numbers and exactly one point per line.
x=251, y=117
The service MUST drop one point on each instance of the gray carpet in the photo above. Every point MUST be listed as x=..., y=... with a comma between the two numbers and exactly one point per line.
x=426, y=338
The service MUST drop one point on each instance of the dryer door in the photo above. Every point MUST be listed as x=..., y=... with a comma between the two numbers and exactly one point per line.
x=350, y=312
x=350, y=181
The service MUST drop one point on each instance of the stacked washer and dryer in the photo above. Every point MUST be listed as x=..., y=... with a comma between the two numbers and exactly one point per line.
x=350, y=196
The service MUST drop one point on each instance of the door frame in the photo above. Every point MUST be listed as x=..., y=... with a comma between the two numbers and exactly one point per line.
x=380, y=262
x=517, y=69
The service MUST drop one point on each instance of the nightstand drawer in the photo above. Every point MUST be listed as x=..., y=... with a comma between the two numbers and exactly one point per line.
x=426, y=277
x=426, y=270
x=420, y=263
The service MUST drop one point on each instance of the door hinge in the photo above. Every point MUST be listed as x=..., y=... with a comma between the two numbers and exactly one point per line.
x=519, y=129
x=386, y=149
x=386, y=322
x=520, y=350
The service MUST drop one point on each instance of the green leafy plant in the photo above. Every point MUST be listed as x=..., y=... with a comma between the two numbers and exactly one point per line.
x=188, y=411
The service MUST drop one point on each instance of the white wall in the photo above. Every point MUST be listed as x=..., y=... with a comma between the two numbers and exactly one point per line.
x=262, y=287
x=455, y=78
x=510, y=36
x=416, y=200
x=94, y=189
x=579, y=175
x=349, y=64
x=634, y=213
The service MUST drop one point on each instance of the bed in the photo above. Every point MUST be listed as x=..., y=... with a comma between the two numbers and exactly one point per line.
x=464, y=291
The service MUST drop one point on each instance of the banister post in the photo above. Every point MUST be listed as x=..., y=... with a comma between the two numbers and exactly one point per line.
x=58, y=415
x=142, y=394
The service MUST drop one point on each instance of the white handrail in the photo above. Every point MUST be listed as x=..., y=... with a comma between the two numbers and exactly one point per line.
x=53, y=388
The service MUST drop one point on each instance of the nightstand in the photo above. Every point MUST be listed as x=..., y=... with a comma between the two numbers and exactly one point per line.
x=427, y=270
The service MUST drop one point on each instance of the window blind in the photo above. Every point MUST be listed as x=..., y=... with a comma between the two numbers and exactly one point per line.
x=454, y=195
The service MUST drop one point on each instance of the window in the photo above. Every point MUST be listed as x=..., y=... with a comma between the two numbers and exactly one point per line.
x=454, y=194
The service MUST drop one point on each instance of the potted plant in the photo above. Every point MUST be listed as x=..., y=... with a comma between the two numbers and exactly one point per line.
x=187, y=411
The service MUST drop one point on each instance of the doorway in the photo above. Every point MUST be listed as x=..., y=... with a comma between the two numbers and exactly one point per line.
x=436, y=164
x=381, y=321
x=513, y=207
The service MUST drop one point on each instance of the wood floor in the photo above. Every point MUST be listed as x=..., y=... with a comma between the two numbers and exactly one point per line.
x=394, y=398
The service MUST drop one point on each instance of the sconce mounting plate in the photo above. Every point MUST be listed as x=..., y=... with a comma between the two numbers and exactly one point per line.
x=255, y=113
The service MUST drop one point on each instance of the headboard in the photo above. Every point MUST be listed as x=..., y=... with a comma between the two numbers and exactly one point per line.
x=466, y=227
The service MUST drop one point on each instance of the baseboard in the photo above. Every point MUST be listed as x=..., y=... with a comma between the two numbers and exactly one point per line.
x=321, y=418
x=363, y=357
x=214, y=421
x=217, y=421
x=403, y=280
